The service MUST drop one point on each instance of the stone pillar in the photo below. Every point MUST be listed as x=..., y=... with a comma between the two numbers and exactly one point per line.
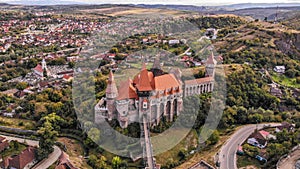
x=207, y=87
x=171, y=110
x=158, y=114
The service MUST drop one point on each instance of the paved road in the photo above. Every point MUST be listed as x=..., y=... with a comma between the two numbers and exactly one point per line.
x=52, y=158
x=290, y=161
x=22, y=140
x=227, y=154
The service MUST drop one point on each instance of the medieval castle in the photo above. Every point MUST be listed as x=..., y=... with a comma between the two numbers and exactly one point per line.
x=152, y=93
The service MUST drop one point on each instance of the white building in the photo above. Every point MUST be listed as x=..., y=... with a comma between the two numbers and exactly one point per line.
x=279, y=69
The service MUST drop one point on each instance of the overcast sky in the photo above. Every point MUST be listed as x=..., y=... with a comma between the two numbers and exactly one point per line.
x=181, y=2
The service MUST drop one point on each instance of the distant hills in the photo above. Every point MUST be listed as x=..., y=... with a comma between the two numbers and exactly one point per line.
x=43, y=2
x=222, y=7
x=261, y=5
x=179, y=7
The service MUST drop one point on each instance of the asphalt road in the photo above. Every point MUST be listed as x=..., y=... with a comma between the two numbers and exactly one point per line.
x=290, y=161
x=22, y=140
x=227, y=154
x=52, y=158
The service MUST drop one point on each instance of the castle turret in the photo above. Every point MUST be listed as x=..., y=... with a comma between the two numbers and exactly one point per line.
x=111, y=95
x=210, y=65
x=156, y=68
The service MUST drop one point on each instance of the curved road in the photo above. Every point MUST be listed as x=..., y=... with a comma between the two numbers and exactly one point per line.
x=290, y=161
x=227, y=154
x=52, y=158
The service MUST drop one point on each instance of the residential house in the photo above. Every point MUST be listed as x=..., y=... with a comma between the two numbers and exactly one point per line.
x=276, y=92
x=24, y=160
x=20, y=94
x=64, y=162
x=10, y=92
x=67, y=78
x=279, y=69
x=260, y=138
x=3, y=143
x=173, y=42
x=38, y=70
x=202, y=164
x=285, y=125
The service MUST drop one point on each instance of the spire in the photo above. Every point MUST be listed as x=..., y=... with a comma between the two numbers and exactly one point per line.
x=156, y=64
x=111, y=78
x=211, y=59
x=144, y=66
x=44, y=65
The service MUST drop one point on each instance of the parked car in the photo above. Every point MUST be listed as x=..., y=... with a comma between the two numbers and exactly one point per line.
x=261, y=159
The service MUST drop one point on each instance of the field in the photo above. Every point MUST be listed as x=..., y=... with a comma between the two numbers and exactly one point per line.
x=247, y=162
x=123, y=11
x=285, y=81
x=17, y=123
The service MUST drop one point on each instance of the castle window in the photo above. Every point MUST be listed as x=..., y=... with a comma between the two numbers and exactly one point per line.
x=144, y=105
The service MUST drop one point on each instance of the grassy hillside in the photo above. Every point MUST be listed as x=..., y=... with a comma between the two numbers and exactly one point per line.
x=261, y=44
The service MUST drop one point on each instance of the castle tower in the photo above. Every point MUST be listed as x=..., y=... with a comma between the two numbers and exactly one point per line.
x=210, y=65
x=144, y=90
x=111, y=95
x=156, y=68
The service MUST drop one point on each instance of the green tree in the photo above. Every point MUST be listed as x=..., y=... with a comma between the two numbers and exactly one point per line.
x=298, y=80
x=114, y=50
x=214, y=138
x=21, y=85
x=47, y=136
x=94, y=134
x=116, y=162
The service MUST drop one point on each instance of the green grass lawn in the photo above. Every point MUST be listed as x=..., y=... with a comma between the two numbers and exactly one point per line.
x=17, y=123
x=186, y=144
x=285, y=81
x=243, y=161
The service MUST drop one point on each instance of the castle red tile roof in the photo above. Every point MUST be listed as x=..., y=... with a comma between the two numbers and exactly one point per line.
x=166, y=81
x=144, y=82
x=127, y=91
x=199, y=81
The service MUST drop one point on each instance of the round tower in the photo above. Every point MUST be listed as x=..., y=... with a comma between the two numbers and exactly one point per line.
x=111, y=95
